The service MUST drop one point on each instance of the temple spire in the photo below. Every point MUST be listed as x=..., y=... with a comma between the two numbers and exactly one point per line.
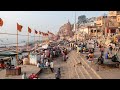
x=68, y=21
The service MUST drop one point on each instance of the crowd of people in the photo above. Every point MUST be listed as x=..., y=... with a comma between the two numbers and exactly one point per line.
x=47, y=56
x=88, y=47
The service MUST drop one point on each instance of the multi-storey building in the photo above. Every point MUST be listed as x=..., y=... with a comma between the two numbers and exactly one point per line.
x=113, y=22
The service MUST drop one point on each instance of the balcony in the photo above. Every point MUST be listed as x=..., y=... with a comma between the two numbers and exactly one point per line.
x=118, y=18
x=113, y=23
x=99, y=23
x=114, y=13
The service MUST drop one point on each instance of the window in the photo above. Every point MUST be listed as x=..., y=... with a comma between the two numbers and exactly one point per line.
x=114, y=17
x=118, y=19
x=98, y=30
x=118, y=12
x=91, y=31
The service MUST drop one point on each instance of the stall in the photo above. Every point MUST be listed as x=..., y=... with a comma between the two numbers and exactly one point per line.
x=13, y=71
x=4, y=61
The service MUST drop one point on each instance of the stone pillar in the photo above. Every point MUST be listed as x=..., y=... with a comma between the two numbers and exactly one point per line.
x=93, y=32
x=109, y=32
x=117, y=31
x=96, y=33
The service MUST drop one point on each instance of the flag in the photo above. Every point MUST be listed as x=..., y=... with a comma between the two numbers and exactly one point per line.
x=29, y=30
x=50, y=33
x=46, y=34
x=36, y=32
x=43, y=33
x=40, y=32
x=19, y=27
x=1, y=22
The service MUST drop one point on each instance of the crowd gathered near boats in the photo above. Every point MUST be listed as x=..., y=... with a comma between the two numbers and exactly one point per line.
x=45, y=55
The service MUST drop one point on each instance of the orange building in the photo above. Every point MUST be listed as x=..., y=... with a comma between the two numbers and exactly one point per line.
x=114, y=22
x=113, y=13
x=109, y=24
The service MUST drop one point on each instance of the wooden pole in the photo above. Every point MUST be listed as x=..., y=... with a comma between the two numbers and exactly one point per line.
x=75, y=27
x=28, y=48
x=39, y=39
x=42, y=39
x=34, y=42
x=17, y=49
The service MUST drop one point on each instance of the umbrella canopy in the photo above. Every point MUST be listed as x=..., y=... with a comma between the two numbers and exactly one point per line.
x=5, y=58
x=45, y=46
x=7, y=53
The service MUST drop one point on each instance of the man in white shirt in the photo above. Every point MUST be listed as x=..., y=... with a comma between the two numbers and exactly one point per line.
x=24, y=76
x=38, y=64
x=42, y=58
x=47, y=64
x=51, y=66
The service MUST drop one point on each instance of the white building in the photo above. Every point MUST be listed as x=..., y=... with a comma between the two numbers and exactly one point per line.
x=84, y=30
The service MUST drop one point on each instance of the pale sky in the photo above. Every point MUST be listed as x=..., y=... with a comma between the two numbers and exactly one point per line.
x=40, y=20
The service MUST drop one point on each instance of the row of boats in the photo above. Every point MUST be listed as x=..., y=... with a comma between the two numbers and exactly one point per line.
x=11, y=51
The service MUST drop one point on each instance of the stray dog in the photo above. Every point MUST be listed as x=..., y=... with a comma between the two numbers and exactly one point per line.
x=79, y=63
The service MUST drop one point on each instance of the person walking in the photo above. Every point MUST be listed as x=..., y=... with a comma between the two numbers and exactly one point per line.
x=24, y=76
x=110, y=48
x=58, y=74
x=38, y=64
x=99, y=62
x=77, y=49
x=102, y=50
x=47, y=64
x=52, y=66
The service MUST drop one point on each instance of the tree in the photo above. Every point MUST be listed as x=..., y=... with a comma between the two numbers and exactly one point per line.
x=82, y=19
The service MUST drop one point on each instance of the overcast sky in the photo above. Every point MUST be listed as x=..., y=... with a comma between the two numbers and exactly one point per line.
x=40, y=20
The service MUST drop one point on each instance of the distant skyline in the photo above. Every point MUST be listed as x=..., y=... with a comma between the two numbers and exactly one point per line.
x=40, y=20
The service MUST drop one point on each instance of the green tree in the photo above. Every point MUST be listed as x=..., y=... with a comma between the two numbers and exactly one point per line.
x=82, y=19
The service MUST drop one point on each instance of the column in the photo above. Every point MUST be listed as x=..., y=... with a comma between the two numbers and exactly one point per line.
x=109, y=32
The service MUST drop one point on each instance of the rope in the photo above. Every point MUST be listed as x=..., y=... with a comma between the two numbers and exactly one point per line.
x=18, y=34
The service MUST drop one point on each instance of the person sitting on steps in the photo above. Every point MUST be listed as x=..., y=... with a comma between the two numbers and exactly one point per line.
x=100, y=60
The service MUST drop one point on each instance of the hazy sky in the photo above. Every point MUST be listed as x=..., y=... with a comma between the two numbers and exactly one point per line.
x=40, y=20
